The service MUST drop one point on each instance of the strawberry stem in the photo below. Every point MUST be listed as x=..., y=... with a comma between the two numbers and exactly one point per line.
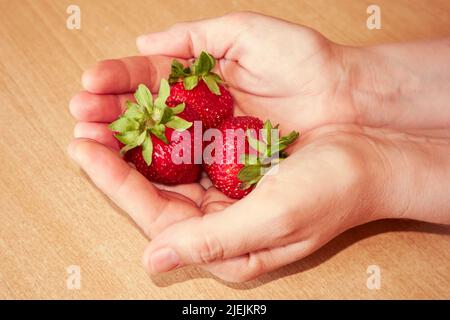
x=200, y=70
x=146, y=117
x=270, y=151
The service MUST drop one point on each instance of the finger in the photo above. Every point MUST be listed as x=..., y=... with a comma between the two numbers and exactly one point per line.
x=193, y=191
x=248, y=267
x=214, y=201
x=118, y=76
x=98, y=132
x=237, y=230
x=147, y=206
x=86, y=106
x=217, y=36
x=205, y=181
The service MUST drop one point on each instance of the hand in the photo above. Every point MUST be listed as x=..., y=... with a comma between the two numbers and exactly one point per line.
x=258, y=71
x=295, y=76
x=337, y=177
x=274, y=69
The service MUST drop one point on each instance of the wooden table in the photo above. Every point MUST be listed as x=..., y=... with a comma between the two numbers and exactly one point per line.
x=52, y=217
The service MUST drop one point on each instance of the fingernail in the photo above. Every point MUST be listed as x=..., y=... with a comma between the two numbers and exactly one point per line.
x=76, y=131
x=140, y=40
x=71, y=151
x=163, y=260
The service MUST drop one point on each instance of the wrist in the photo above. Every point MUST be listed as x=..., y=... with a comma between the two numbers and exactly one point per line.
x=413, y=174
x=374, y=86
x=399, y=85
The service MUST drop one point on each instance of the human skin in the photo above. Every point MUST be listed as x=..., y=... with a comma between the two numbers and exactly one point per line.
x=375, y=126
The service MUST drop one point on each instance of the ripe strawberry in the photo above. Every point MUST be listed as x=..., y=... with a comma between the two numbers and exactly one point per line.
x=145, y=130
x=201, y=89
x=236, y=168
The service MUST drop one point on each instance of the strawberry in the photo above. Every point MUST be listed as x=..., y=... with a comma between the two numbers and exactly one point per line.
x=201, y=89
x=238, y=166
x=145, y=131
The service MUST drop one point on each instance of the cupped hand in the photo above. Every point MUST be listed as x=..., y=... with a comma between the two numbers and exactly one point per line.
x=271, y=67
x=274, y=69
x=337, y=177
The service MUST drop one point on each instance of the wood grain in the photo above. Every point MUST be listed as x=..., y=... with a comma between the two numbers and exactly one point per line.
x=53, y=217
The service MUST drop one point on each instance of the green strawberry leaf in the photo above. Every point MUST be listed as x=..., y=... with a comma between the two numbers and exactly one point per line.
x=166, y=115
x=173, y=78
x=128, y=137
x=200, y=68
x=249, y=173
x=145, y=118
x=177, y=69
x=158, y=112
x=256, y=144
x=256, y=166
x=267, y=131
x=248, y=159
x=140, y=139
x=124, y=124
x=212, y=84
x=179, y=108
x=216, y=77
x=133, y=111
x=212, y=60
x=164, y=90
x=133, y=105
x=178, y=124
x=147, y=150
x=203, y=64
x=143, y=96
x=291, y=137
x=159, y=103
x=267, y=125
x=285, y=141
x=159, y=131
x=190, y=82
x=127, y=148
x=267, y=138
x=177, y=66
x=247, y=184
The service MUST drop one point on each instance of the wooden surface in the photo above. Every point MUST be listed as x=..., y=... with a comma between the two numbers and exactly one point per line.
x=53, y=217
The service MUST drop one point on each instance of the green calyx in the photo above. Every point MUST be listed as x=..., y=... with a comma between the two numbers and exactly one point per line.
x=145, y=117
x=270, y=150
x=199, y=70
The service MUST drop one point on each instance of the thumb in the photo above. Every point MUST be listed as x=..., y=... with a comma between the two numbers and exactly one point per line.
x=254, y=223
x=215, y=35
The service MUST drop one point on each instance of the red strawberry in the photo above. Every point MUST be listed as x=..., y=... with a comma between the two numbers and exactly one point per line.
x=237, y=174
x=145, y=130
x=201, y=89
